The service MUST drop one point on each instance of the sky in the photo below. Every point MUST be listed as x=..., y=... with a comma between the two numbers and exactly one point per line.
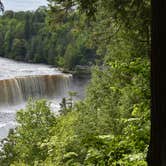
x=23, y=5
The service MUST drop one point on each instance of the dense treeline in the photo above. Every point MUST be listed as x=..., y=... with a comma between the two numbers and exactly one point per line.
x=111, y=126
x=27, y=36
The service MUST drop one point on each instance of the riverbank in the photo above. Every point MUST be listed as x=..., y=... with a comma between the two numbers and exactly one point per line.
x=80, y=71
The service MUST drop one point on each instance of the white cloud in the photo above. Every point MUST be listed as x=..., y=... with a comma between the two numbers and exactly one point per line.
x=23, y=5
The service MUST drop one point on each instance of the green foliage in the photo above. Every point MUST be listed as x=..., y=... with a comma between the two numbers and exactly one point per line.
x=111, y=125
x=28, y=36
x=24, y=143
x=18, y=49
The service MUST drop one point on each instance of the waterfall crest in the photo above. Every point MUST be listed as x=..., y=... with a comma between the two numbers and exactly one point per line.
x=18, y=89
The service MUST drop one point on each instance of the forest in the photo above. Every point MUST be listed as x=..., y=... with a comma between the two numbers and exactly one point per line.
x=27, y=36
x=111, y=126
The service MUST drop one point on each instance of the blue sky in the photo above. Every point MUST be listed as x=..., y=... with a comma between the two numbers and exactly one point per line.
x=23, y=5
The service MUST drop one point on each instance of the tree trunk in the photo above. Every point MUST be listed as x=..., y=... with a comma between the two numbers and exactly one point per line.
x=157, y=149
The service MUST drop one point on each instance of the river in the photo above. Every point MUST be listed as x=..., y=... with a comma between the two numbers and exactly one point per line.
x=19, y=81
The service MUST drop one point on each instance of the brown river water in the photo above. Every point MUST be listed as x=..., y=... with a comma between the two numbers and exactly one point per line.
x=19, y=81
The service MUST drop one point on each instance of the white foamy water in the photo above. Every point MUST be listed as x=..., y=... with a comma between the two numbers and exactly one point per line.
x=11, y=69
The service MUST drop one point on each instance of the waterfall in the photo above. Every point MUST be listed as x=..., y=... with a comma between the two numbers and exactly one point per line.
x=18, y=89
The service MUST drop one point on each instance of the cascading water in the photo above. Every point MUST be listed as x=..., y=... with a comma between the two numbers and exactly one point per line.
x=20, y=81
x=18, y=89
